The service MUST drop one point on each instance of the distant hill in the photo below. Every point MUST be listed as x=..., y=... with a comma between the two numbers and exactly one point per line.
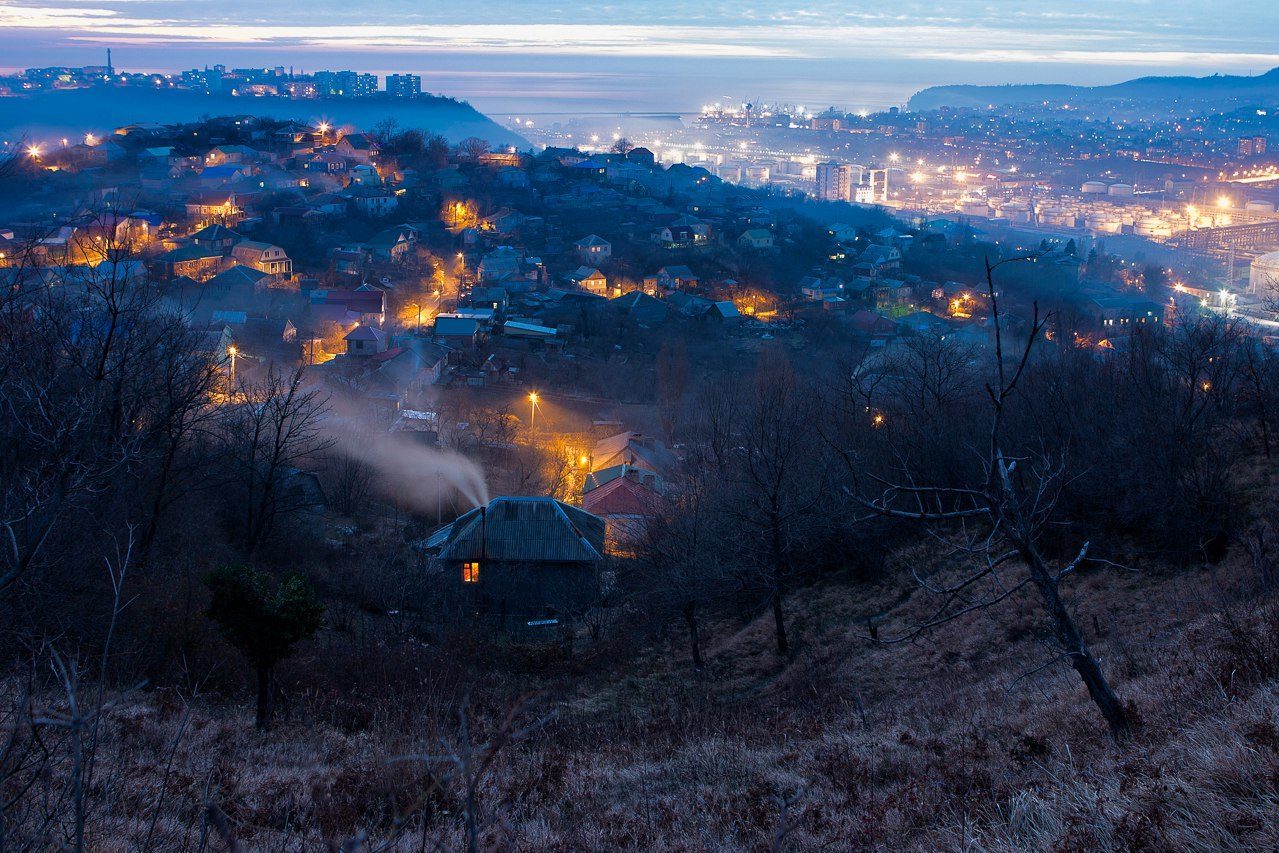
x=1217, y=89
x=74, y=112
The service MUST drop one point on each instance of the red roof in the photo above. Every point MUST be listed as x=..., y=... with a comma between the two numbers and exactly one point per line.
x=622, y=496
x=872, y=323
x=389, y=354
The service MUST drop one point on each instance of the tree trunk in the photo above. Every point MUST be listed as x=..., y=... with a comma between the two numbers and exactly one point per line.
x=779, y=619
x=1072, y=642
x=694, y=639
x=779, y=576
x=266, y=701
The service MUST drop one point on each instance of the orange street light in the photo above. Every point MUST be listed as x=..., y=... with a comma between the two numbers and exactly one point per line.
x=232, y=351
x=532, y=409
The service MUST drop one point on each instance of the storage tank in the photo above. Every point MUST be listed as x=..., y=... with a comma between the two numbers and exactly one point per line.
x=1152, y=226
x=1094, y=187
x=1263, y=276
x=1260, y=207
x=1016, y=211
x=1105, y=223
x=1124, y=190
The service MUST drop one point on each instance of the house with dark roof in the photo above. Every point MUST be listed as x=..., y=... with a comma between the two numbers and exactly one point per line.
x=590, y=279
x=456, y=331
x=193, y=261
x=677, y=277
x=374, y=202
x=759, y=239
x=216, y=237
x=640, y=308
x=530, y=557
x=368, y=303
x=360, y=146
x=495, y=298
x=241, y=278
x=873, y=325
x=392, y=244
x=365, y=341
x=882, y=257
x=267, y=257
x=593, y=249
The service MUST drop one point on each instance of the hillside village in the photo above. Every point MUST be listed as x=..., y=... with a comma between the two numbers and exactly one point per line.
x=463, y=432
x=395, y=262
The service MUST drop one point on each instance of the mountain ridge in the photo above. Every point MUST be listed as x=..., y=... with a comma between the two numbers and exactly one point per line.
x=1214, y=88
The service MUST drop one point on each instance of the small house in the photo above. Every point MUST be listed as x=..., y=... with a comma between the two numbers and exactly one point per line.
x=524, y=557
x=593, y=249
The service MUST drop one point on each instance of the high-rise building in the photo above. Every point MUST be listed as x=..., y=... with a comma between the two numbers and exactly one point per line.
x=350, y=84
x=833, y=181
x=403, y=85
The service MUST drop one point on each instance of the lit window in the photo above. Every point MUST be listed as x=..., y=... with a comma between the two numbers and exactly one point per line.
x=470, y=573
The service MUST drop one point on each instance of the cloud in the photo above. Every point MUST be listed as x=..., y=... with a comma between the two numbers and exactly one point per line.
x=1186, y=33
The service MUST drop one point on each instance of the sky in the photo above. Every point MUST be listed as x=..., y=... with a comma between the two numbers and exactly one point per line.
x=670, y=55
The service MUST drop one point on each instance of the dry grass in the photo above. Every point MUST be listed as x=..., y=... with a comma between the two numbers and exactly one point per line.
x=932, y=745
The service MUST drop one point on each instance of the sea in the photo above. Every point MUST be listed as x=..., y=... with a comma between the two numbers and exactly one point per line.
x=537, y=89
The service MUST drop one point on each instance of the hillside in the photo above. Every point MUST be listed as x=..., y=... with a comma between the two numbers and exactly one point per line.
x=958, y=741
x=74, y=112
x=1213, y=91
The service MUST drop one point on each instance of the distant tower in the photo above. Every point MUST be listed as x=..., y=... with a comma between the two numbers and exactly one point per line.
x=110, y=69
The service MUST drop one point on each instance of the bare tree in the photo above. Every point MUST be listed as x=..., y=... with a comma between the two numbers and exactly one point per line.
x=270, y=435
x=680, y=567
x=1012, y=508
x=779, y=479
x=672, y=384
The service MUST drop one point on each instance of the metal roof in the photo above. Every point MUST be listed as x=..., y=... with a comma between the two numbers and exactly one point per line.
x=526, y=529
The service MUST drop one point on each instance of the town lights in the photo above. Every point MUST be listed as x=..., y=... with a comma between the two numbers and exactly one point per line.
x=90, y=139
x=917, y=177
x=33, y=151
x=1223, y=202
x=894, y=157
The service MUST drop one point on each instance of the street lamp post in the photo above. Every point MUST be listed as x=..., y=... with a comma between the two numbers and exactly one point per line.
x=232, y=351
x=532, y=410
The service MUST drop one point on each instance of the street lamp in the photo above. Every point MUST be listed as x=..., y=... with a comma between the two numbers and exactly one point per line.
x=232, y=351
x=532, y=409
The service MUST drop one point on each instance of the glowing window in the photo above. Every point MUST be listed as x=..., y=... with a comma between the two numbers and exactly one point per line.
x=470, y=573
